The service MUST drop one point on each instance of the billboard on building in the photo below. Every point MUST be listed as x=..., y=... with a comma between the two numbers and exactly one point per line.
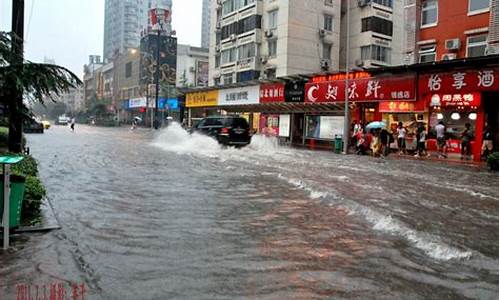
x=201, y=73
x=202, y=99
x=239, y=96
x=168, y=60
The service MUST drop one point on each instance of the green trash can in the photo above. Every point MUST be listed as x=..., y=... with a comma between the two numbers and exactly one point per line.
x=17, y=185
x=338, y=143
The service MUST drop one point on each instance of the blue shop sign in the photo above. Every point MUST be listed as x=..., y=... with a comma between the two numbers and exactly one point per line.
x=172, y=103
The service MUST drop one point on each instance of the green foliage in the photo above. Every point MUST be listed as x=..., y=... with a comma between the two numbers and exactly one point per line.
x=493, y=161
x=33, y=196
x=27, y=167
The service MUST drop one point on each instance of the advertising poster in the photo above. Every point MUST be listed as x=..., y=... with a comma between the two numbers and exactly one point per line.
x=269, y=125
x=239, y=96
x=284, y=126
x=202, y=73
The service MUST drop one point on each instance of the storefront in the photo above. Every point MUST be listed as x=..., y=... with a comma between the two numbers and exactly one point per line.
x=201, y=104
x=459, y=98
x=365, y=94
x=411, y=113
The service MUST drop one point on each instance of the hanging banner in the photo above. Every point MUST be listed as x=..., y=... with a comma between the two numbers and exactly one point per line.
x=202, y=99
x=458, y=82
x=239, y=96
x=363, y=89
x=274, y=92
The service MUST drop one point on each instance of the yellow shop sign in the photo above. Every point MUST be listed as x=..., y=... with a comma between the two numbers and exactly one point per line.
x=202, y=99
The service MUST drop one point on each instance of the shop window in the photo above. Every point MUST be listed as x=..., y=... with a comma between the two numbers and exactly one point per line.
x=476, y=45
x=429, y=13
x=427, y=53
x=455, y=122
x=479, y=6
x=328, y=22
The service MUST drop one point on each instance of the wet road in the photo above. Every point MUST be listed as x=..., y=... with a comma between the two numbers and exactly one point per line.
x=177, y=217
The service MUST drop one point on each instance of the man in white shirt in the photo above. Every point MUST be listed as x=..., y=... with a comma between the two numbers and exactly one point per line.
x=441, y=140
x=401, y=138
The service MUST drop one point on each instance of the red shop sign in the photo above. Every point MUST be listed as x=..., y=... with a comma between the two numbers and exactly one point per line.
x=459, y=82
x=456, y=100
x=274, y=92
x=396, y=106
x=366, y=89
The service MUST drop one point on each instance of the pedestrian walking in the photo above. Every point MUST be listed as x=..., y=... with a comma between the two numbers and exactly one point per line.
x=134, y=124
x=73, y=121
x=441, y=139
x=385, y=140
x=467, y=137
x=401, y=138
x=376, y=144
x=487, y=147
x=421, y=138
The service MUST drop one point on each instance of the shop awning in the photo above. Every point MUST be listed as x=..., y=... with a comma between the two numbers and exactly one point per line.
x=282, y=107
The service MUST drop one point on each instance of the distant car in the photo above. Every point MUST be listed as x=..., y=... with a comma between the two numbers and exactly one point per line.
x=46, y=124
x=227, y=130
x=62, y=120
x=32, y=126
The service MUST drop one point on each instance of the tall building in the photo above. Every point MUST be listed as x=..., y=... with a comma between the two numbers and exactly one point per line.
x=124, y=21
x=205, y=23
x=268, y=39
x=376, y=33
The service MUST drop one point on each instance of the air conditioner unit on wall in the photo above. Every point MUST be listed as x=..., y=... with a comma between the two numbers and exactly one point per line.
x=322, y=33
x=218, y=25
x=263, y=59
x=448, y=56
x=269, y=33
x=363, y=3
x=232, y=37
x=217, y=48
x=359, y=62
x=192, y=69
x=491, y=50
x=452, y=44
x=325, y=64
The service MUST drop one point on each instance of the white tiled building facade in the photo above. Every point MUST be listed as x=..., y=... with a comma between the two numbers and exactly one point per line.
x=252, y=39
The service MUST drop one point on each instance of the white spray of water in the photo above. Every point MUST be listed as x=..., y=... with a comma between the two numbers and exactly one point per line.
x=176, y=139
x=429, y=244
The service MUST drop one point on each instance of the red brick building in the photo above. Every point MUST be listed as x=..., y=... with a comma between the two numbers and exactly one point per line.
x=450, y=29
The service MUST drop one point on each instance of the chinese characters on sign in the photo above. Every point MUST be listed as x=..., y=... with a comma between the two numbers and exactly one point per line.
x=272, y=93
x=52, y=291
x=397, y=106
x=459, y=82
x=364, y=89
x=239, y=96
x=456, y=100
x=201, y=99
x=342, y=76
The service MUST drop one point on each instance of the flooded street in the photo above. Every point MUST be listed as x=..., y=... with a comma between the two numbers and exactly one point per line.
x=168, y=216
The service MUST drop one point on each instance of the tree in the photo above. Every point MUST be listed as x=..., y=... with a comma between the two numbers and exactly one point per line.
x=34, y=81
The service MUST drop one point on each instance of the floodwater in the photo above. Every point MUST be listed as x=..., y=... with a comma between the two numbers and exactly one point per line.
x=170, y=216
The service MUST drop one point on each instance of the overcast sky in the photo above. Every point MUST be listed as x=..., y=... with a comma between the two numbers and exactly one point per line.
x=68, y=31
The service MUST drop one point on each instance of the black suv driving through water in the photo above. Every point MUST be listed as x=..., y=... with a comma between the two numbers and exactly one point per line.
x=227, y=130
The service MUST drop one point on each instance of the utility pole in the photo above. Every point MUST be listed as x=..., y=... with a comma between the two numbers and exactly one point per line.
x=15, y=103
x=346, y=90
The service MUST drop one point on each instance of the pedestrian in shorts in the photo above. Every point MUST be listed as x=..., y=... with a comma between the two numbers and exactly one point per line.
x=401, y=138
x=441, y=139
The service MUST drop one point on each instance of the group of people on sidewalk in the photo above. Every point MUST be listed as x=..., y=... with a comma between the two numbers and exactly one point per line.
x=377, y=142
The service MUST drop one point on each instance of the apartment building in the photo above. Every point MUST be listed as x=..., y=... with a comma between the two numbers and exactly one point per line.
x=450, y=29
x=265, y=39
x=376, y=33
